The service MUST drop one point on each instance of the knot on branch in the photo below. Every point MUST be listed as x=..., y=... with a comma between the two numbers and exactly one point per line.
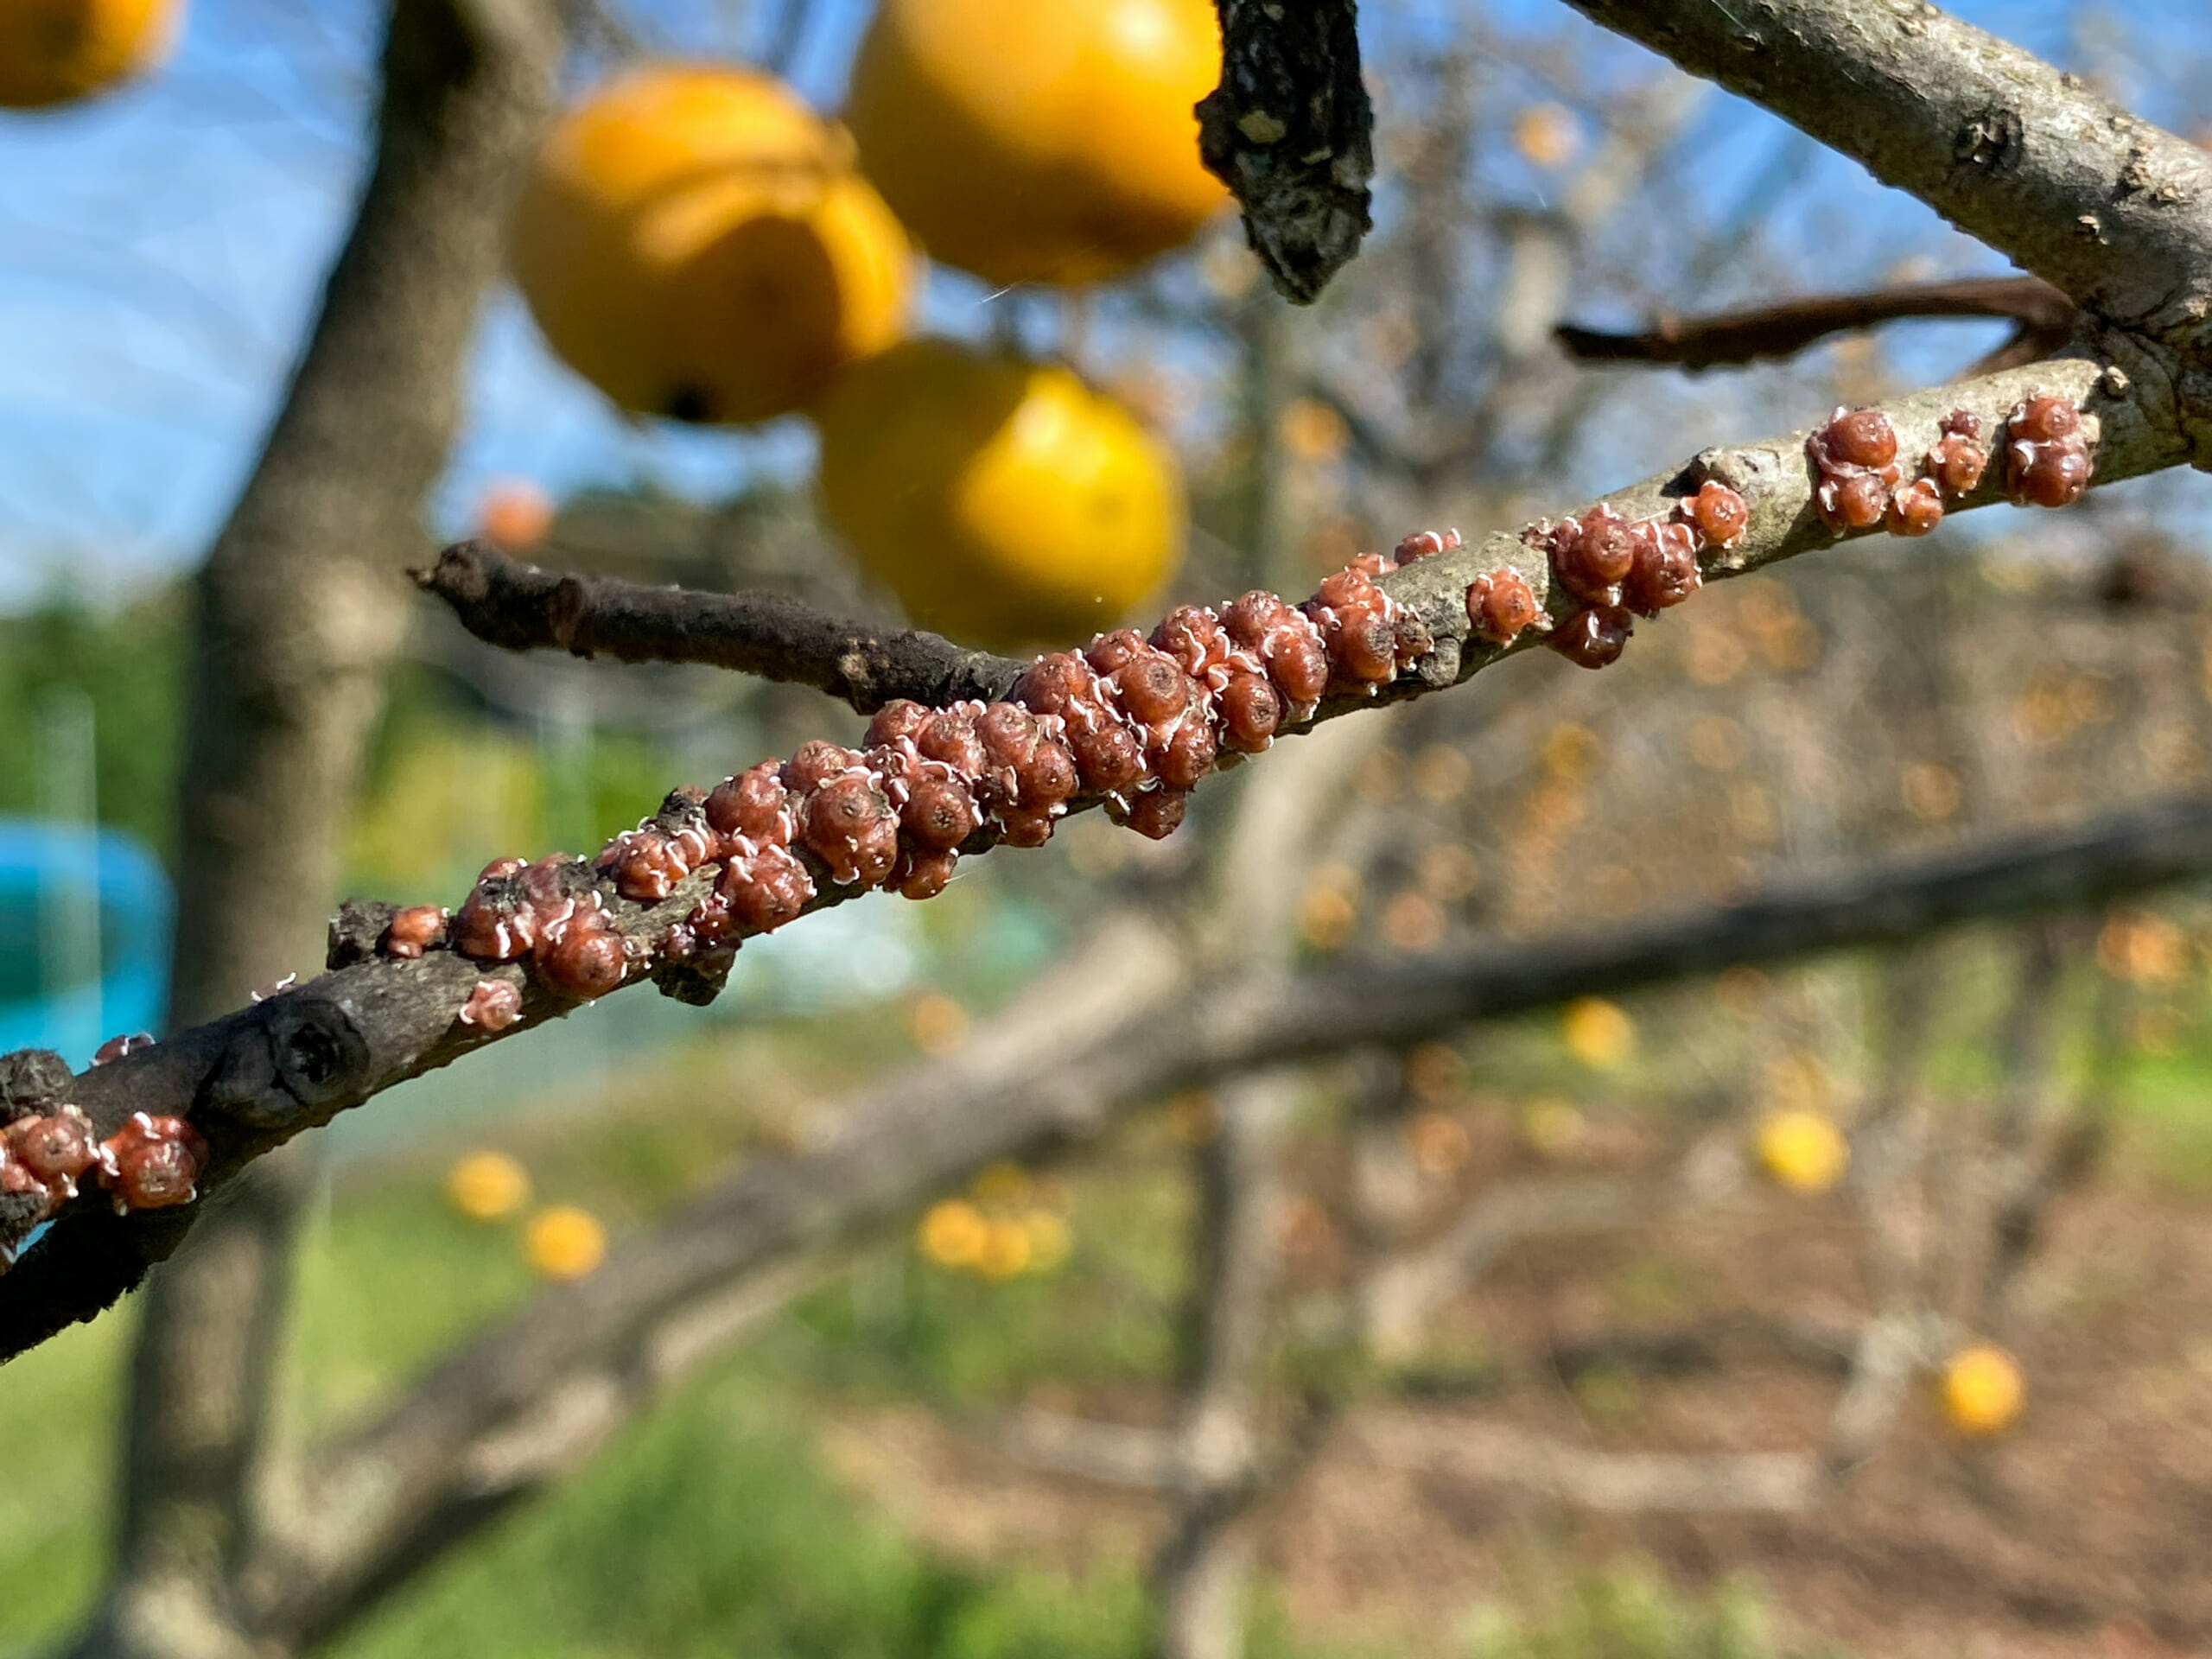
x=295, y=1065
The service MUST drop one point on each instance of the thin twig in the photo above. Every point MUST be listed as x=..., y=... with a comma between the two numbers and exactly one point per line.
x=2047, y=318
x=519, y=608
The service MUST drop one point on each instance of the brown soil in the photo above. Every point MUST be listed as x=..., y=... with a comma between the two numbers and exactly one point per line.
x=2085, y=1529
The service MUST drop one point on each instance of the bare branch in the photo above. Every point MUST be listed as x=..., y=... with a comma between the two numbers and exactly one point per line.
x=1627, y=1483
x=2048, y=320
x=519, y=608
x=1400, y=1297
x=1123, y=1021
x=2103, y=205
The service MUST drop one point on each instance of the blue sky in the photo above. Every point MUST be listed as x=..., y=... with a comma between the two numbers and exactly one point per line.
x=161, y=252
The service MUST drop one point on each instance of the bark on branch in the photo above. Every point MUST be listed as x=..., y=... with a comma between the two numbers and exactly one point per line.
x=2100, y=204
x=519, y=608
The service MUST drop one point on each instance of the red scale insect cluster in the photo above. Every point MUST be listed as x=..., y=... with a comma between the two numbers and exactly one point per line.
x=1859, y=482
x=2046, y=456
x=1616, y=568
x=1133, y=722
x=148, y=1164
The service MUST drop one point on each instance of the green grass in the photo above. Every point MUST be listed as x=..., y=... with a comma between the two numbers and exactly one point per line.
x=710, y=1526
x=1629, y=1611
x=711, y=1531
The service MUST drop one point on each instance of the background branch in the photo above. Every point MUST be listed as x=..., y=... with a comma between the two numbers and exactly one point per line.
x=2102, y=205
x=298, y=617
x=2047, y=322
x=1123, y=1021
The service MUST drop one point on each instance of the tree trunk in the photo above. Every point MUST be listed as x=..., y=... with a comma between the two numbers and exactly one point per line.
x=301, y=606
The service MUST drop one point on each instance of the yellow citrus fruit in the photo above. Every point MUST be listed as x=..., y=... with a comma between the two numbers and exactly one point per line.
x=1049, y=1240
x=1034, y=142
x=487, y=1186
x=1007, y=1249
x=1803, y=1150
x=59, y=51
x=1598, y=1032
x=952, y=1233
x=694, y=242
x=564, y=1243
x=1983, y=1390
x=1005, y=502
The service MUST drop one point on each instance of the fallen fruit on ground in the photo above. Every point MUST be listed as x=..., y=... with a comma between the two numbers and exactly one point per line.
x=1983, y=1390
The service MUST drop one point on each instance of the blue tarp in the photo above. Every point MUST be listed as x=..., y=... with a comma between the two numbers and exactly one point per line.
x=101, y=898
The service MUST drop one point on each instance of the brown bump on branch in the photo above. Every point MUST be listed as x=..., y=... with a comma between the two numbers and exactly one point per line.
x=1288, y=131
x=517, y=607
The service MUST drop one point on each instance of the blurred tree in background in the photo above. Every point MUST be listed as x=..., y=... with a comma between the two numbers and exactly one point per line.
x=1657, y=1298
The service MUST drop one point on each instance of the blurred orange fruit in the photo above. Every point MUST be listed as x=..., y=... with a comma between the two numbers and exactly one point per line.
x=1547, y=134
x=1029, y=142
x=694, y=242
x=937, y=1023
x=60, y=51
x=1006, y=1249
x=515, y=514
x=1983, y=1390
x=1004, y=501
x=1598, y=1032
x=487, y=1186
x=2143, y=948
x=1439, y=1142
x=1803, y=1150
x=952, y=1233
x=563, y=1242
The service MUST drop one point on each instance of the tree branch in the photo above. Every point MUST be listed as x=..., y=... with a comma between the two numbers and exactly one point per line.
x=1621, y=1483
x=2048, y=320
x=1200, y=1574
x=2105, y=206
x=519, y=608
x=251, y=1080
x=1124, y=1020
